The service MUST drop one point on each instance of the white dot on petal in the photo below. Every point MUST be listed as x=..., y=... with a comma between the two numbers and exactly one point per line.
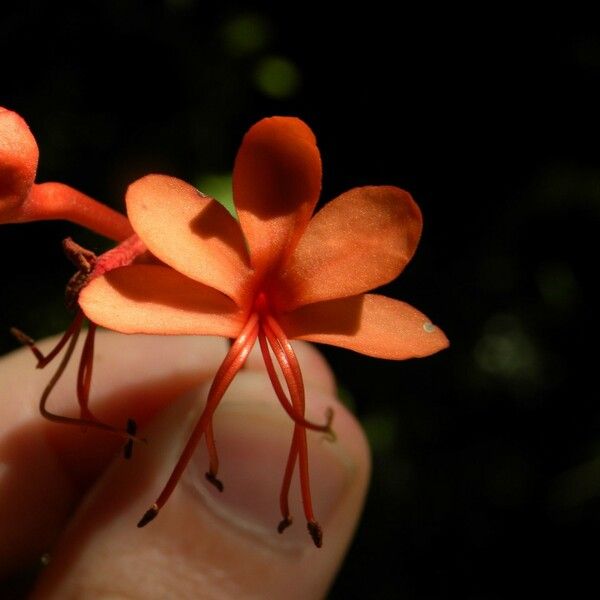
x=429, y=327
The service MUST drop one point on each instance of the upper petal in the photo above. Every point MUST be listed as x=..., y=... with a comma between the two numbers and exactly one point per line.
x=369, y=324
x=18, y=163
x=361, y=240
x=276, y=184
x=190, y=232
x=157, y=299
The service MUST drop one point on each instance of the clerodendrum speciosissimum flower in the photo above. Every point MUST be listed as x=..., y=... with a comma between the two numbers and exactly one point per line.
x=276, y=274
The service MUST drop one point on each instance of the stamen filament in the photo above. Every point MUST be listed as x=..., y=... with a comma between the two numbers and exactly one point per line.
x=89, y=266
x=44, y=360
x=284, y=504
x=71, y=420
x=83, y=381
x=233, y=362
x=289, y=409
x=213, y=457
x=84, y=375
x=286, y=357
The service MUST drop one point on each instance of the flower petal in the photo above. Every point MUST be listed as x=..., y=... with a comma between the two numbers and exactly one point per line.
x=157, y=299
x=18, y=164
x=276, y=185
x=190, y=232
x=370, y=324
x=361, y=240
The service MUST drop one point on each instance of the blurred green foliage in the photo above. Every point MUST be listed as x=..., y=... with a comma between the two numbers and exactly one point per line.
x=277, y=77
x=218, y=186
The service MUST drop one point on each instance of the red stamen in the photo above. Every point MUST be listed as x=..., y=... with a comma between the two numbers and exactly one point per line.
x=233, y=362
x=289, y=409
x=89, y=266
x=55, y=378
x=263, y=326
x=84, y=375
x=284, y=353
x=43, y=359
x=285, y=485
x=213, y=468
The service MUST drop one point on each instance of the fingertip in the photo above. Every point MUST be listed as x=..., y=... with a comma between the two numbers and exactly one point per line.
x=44, y=466
x=224, y=544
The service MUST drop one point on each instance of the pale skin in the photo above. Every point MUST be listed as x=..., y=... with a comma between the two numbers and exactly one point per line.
x=72, y=495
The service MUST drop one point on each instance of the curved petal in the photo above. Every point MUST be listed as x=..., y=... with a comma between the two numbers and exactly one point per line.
x=276, y=184
x=190, y=232
x=157, y=299
x=361, y=240
x=369, y=324
x=18, y=164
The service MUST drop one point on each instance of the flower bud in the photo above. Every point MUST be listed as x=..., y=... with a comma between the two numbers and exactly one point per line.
x=18, y=164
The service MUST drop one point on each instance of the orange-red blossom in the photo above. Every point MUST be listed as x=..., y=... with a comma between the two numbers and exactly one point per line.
x=273, y=276
x=279, y=273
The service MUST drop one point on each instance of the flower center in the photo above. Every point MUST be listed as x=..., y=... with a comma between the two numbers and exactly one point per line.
x=261, y=305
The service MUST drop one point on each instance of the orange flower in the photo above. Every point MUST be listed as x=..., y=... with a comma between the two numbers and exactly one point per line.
x=275, y=275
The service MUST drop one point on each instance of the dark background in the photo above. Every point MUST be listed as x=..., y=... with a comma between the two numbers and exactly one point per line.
x=487, y=456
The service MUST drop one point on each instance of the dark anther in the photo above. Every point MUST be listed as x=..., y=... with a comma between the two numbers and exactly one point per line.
x=330, y=435
x=149, y=515
x=316, y=533
x=81, y=257
x=131, y=430
x=21, y=337
x=284, y=524
x=216, y=482
x=84, y=260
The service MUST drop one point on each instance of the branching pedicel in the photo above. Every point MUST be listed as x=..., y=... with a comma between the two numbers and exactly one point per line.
x=184, y=265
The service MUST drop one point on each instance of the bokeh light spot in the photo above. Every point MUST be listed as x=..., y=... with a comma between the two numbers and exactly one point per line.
x=557, y=285
x=246, y=34
x=506, y=351
x=277, y=77
x=382, y=430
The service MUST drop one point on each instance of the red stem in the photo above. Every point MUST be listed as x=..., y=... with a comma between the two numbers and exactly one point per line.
x=51, y=201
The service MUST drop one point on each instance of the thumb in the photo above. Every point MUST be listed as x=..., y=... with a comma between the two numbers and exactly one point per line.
x=209, y=544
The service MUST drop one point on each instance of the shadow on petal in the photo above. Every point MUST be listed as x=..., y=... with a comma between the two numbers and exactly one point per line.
x=370, y=324
x=160, y=285
x=157, y=299
x=341, y=316
x=214, y=222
